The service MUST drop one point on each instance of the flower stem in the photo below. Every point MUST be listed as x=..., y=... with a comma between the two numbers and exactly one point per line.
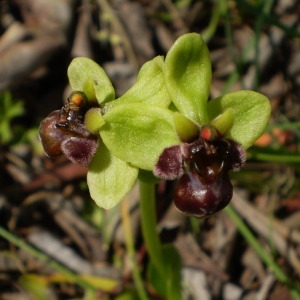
x=131, y=251
x=148, y=221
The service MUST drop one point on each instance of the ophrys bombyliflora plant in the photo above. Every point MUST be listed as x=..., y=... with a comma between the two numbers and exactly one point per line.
x=164, y=126
x=167, y=108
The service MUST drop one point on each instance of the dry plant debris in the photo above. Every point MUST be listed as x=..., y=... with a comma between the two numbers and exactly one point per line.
x=46, y=203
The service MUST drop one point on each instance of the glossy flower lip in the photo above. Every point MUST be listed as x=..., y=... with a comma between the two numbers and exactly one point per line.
x=51, y=135
x=63, y=132
x=201, y=168
x=197, y=199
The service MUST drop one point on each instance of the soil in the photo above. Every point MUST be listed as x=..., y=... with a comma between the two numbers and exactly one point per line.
x=46, y=202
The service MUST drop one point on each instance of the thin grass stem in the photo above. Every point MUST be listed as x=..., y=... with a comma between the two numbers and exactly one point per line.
x=261, y=252
x=46, y=259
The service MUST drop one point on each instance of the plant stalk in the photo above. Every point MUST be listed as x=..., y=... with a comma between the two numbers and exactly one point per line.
x=131, y=251
x=149, y=223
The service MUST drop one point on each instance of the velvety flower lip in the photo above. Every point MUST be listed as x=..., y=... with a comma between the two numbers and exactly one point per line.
x=63, y=132
x=170, y=163
x=201, y=168
x=80, y=150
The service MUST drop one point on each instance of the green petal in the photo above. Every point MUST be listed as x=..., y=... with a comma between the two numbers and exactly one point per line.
x=251, y=113
x=87, y=76
x=188, y=76
x=109, y=178
x=149, y=88
x=224, y=121
x=138, y=133
x=93, y=120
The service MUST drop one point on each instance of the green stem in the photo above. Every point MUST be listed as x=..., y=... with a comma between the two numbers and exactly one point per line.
x=44, y=258
x=270, y=19
x=148, y=222
x=266, y=7
x=131, y=251
x=274, y=157
x=214, y=21
x=265, y=257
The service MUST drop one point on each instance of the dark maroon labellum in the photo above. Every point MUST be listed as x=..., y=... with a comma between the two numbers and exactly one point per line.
x=63, y=132
x=52, y=136
x=202, y=167
x=198, y=199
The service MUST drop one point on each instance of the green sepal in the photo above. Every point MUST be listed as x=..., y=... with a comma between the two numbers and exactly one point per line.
x=109, y=178
x=149, y=88
x=137, y=133
x=188, y=76
x=168, y=284
x=251, y=112
x=87, y=76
